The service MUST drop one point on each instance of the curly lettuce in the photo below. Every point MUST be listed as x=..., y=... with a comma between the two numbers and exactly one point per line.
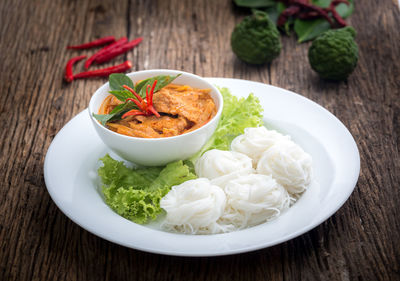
x=135, y=194
x=237, y=114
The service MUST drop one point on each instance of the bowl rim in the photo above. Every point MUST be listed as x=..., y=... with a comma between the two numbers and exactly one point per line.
x=216, y=117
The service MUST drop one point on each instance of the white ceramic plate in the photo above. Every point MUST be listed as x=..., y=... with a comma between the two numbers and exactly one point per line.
x=71, y=179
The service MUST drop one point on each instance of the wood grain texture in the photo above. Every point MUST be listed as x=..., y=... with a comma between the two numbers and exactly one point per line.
x=38, y=242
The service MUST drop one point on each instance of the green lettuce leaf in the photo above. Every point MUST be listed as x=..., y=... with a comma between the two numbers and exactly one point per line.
x=237, y=114
x=135, y=194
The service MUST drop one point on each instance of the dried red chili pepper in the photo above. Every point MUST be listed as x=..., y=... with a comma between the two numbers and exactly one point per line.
x=114, y=52
x=116, y=44
x=289, y=12
x=95, y=43
x=69, y=76
x=145, y=106
x=303, y=9
x=105, y=71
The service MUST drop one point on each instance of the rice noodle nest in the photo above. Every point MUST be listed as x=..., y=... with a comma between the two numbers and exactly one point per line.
x=288, y=164
x=193, y=207
x=255, y=141
x=215, y=163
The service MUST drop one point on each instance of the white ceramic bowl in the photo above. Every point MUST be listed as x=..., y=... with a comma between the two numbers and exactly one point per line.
x=157, y=151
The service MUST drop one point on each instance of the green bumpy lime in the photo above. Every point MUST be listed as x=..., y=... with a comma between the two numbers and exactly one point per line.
x=256, y=39
x=334, y=54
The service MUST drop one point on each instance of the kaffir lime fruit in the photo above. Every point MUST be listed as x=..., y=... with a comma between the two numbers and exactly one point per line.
x=334, y=54
x=256, y=39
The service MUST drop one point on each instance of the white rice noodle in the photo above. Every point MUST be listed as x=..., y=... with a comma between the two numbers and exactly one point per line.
x=288, y=164
x=215, y=163
x=194, y=207
x=253, y=199
x=255, y=141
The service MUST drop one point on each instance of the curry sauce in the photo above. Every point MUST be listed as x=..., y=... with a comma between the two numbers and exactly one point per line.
x=182, y=109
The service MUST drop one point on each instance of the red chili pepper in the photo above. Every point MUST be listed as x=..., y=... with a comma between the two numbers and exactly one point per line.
x=102, y=51
x=132, y=112
x=304, y=9
x=141, y=106
x=105, y=71
x=152, y=92
x=307, y=5
x=95, y=43
x=288, y=12
x=69, y=76
x=145, y=107
x=140, y=102
x=134, y=93
x=106, y=56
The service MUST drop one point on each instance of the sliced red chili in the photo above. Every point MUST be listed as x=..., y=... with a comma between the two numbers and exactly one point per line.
x=114, y=52
x=69, y=76
x=145, y=107
x=94, y=43
x=132, y=112
x=153, y=110
x=141, y=106
x=105, y=71
x=102, y=51
x=150, y=107
x=133, y=92
x=147, y=93
x=152, y=92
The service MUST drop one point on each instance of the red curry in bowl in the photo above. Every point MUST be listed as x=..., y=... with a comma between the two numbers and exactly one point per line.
x=182, y=109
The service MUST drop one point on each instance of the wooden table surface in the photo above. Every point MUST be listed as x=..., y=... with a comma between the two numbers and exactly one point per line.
x=38, y=242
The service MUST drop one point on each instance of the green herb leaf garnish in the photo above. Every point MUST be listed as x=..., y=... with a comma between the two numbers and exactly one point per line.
x=117, y=80
x=115, y=114
x=163, y=80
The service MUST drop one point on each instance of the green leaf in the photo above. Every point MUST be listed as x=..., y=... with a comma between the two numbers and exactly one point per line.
x=162, y=81
x=116, y=172
x=274, y=11
x=309, y=29
x=122, y=95
x=281, y=7
x=254, y=3
x=118, y=108
x=117, y=80
x=115, y=114
x=345, y=10
x=174, y=173
x=273, y=14
x=103, y=118
x=321, y=3
x=136, y=193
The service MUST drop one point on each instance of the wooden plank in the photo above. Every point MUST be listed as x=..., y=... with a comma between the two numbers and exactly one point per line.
x=38, y=242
